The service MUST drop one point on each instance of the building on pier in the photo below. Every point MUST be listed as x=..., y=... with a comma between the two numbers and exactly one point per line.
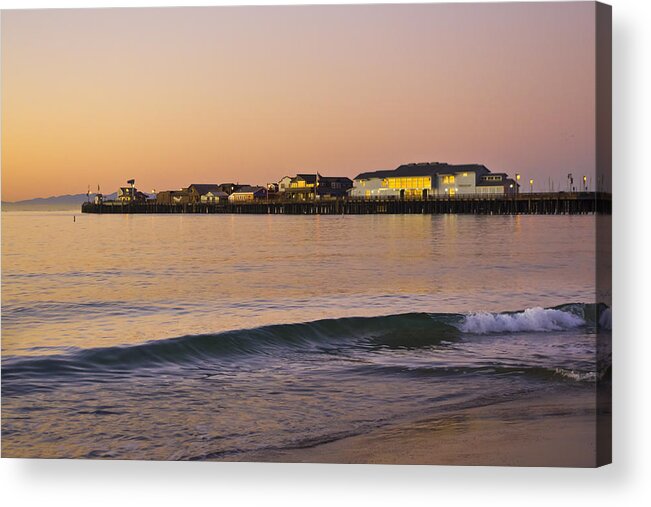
x=173, y=197
x=431, y=179
x=284, y=184
x=308, y=187
x=214, y=197
x=198, y=192
x=130, y=194
x=248, y=193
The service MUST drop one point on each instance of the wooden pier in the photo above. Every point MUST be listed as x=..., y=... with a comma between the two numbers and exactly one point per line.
x=558, y=203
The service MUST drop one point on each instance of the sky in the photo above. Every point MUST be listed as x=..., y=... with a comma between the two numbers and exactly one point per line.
x=175, y=96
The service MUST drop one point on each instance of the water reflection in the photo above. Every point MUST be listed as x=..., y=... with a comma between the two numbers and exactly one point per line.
x=122, y=279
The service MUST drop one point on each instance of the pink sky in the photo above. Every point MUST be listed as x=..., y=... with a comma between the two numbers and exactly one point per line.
x=174, y=96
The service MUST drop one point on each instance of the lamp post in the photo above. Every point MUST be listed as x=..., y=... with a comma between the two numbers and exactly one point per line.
x=531, y=185
x=585, y=183
x=517, y=179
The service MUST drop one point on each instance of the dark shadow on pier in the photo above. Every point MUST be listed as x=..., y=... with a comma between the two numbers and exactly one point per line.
x=558, y=203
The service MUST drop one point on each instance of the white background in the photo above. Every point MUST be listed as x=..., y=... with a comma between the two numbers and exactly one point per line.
x=626, y=482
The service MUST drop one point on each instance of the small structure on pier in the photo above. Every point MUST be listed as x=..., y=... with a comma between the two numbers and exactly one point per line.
x=131, y=193
x=173, y=197
x=214, y=197
x=248, y=193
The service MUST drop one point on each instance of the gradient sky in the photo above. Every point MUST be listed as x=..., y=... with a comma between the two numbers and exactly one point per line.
x=174, y=96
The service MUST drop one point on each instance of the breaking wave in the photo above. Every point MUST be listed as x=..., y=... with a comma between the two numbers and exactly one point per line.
x=530, y=320
x=403, y=331
x=579, y=376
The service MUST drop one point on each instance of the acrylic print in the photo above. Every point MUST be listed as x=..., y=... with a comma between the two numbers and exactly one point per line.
x=330, y=234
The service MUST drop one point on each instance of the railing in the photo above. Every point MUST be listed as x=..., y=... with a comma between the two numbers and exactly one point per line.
x=531, y=203
x=484, y=196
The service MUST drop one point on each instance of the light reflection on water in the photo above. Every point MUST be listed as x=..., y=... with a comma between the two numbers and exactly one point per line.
x=107, y=281
x=104, y=280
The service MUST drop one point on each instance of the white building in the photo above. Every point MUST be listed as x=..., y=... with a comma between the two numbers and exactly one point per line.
x=434, y=179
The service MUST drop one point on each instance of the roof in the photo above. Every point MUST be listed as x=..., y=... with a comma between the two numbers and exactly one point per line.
x=204, y=188
x=334, y=178
x=248, y=190
x=216, y=193
x=424, y=169
x=498, y=183
x=309, y=178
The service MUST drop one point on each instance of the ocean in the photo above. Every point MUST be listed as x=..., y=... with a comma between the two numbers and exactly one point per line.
x=191, y=337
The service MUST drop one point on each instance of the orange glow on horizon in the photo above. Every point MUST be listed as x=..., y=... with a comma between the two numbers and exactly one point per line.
x=174, y=96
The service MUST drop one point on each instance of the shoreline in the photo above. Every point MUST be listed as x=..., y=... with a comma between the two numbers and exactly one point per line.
x=552, y=429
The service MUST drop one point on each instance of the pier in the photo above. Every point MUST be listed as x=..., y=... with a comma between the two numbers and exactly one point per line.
x=546, y=203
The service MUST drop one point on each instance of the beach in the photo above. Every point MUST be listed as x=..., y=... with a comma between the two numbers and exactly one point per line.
x=556, y=430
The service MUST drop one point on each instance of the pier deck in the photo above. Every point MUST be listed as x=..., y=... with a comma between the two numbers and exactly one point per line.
x=558, y=203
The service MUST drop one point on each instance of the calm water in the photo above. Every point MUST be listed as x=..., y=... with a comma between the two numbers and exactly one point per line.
x=210, y=337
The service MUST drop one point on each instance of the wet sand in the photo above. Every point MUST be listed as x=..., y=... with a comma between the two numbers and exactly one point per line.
x=552, y=430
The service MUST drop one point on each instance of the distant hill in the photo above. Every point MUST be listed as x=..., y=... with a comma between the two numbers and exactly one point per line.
x=54, y=203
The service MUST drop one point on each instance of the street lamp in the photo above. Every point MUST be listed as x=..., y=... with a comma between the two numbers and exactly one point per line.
x=531, y=185
x=517, y=178
x=585, y=183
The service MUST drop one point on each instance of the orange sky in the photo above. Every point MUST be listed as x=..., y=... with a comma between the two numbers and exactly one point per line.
x=173, y=96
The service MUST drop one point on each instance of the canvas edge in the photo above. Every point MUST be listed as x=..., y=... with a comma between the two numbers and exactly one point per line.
x=603, y=173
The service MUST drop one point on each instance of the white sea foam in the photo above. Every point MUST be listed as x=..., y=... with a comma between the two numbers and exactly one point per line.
x=532, y=319
x=588, y=376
